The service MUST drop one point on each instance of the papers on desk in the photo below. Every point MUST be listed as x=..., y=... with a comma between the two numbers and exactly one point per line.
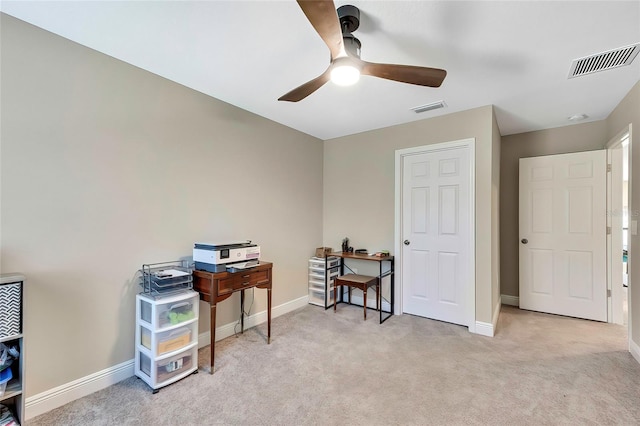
x=239, y=266
x=170, y=273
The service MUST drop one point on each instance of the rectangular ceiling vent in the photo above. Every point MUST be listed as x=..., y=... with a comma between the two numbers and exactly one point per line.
x=604, y=61
x=429, y=107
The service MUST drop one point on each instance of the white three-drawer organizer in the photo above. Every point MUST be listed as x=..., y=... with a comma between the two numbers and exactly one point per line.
x=166, y=326
x=322, y=274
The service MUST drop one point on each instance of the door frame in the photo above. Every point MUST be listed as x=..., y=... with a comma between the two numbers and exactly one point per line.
x=400, y=154
x=615, y=301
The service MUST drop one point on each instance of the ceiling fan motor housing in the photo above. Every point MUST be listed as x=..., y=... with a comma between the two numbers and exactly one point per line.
x=349, y=17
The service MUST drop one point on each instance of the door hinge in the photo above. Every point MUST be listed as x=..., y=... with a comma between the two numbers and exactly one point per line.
x=608, y=167
x=608, y=230
x=608, y=293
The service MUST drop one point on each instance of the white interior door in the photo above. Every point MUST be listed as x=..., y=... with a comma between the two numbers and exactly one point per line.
x=436, y=233
x=563, y=234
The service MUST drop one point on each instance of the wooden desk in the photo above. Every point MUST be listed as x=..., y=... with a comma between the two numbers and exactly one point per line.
x=382, y=273
x=215, y=287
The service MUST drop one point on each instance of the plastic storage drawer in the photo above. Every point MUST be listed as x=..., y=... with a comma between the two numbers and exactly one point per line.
x=175, y=310
x=316, y=262
x=318, y=283
x=169, y=368
x=168, y=341
x=316, y=297
x=319, y=275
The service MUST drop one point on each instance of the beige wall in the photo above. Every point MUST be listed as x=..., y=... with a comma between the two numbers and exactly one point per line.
x=561, y=140
x=359, y=187
x=628, y=112
x=105, y=167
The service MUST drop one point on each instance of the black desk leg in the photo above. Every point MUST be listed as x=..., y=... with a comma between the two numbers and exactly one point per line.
x=242, y=311
x=379, y=290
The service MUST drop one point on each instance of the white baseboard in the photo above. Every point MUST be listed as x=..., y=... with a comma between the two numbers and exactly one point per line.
x=484, y=329
x=58, y=396
x=510, y=300
x=635, y=350
x=61, y=395
x=489, y=329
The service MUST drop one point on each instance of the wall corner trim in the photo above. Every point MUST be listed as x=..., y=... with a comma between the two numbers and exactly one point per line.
x=489, y=329
x=53, y=398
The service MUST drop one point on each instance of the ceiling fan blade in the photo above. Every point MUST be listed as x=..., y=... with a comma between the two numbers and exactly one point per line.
x=307, y=88
x=323, y=17
x=422, y=76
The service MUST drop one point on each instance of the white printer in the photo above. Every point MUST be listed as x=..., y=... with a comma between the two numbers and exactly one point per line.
x=217, y=257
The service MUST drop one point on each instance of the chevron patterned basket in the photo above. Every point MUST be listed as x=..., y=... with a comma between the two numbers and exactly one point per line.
x=10, y=298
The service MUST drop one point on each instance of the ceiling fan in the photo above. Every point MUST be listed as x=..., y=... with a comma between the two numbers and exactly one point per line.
x=335, y=29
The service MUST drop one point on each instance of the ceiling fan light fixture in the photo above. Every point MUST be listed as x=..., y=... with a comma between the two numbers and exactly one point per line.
x=345, y=75
x=346, y=66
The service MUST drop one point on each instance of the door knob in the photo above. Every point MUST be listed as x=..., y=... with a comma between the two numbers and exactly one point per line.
x=407, y=242
x=524, y=241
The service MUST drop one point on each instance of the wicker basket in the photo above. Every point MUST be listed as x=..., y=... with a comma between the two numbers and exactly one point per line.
x=10, y=303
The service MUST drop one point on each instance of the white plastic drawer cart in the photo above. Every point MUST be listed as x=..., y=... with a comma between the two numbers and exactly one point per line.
x=166, y=338
x=322, y=274
x=166, y=326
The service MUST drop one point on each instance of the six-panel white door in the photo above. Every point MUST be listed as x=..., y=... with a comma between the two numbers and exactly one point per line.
x=436, y=271
x=563, y=234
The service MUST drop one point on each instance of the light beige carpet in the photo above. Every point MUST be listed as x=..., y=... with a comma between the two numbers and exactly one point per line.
x=334, y=369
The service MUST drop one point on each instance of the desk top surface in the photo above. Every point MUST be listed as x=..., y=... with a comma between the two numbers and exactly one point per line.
x=361, y=256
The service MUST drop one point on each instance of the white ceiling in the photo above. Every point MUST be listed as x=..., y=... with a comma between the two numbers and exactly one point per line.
x=512, y=54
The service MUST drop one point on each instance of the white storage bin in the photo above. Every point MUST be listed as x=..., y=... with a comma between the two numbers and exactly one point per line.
x=168, y=341
x=316, y=285
x=319, y=275
x=172, y=311
x=316, y=297
x=319, y=283
x=318, y=270
x=169, y=369
x=317, y=262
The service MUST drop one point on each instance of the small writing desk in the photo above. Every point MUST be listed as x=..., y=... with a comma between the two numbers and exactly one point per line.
x=381, y=274
x=215, y=287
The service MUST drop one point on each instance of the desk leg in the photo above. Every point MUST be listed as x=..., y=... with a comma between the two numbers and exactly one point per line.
x=364, y=298
x=242, y=311
x=212, y=345
x=378, y=301
x=269, y=315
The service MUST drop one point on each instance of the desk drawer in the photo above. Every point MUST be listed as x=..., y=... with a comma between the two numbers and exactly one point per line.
x=242, y=280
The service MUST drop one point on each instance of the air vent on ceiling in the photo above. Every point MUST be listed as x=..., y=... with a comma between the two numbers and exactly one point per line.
x=429, y=107
x=604, y=61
